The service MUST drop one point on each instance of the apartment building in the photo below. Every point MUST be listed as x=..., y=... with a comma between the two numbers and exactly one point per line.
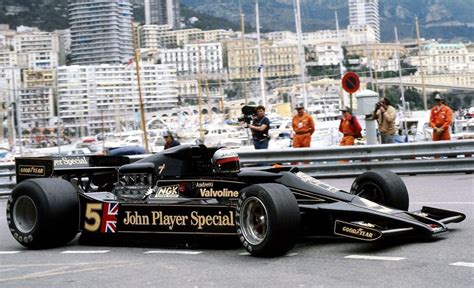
x=10, y=83
x=8, y=58
x=97, y=98
x=101, y=31
x=29, y=48
x=36, y=106
x=34, y=40
x=39, y=59
x=39, y=78
x=282, y=36
x=163, y=12
x=148, y=35
x=325, y=54
x=382, y=55
x=179, y=38
x=279, y=59
x=353, y=35
x=155, y=36
x=442, y=58
x=203, y=60
x=365, y=12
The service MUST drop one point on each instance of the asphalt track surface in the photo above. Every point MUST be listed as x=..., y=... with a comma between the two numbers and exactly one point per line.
x=447, y=261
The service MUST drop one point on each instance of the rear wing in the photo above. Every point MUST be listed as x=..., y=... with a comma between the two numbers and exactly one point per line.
x=55, y=166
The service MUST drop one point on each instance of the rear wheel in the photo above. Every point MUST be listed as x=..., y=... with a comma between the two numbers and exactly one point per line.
x=383, y=187
x=268, y=219
x=43, y=212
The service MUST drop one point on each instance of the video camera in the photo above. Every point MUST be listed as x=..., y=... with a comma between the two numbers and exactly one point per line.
x=248, y=113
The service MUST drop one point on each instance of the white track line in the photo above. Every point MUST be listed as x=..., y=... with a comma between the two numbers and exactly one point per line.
x=465, y=264
x=248, y=254
x=9, y=252
x=443, y=203
x=85, y=251
x=381, y=258
x=173, y=252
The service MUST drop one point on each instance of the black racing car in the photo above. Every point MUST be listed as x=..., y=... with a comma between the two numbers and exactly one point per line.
x=194, y=191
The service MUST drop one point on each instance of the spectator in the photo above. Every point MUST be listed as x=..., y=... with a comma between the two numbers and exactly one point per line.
x=349, y=127
x=303, y=126
x=440, y=118
x=170, y=141
x=259, y=127
x=385, y=115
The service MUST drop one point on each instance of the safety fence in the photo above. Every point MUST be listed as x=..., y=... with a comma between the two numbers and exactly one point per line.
x=407, y=158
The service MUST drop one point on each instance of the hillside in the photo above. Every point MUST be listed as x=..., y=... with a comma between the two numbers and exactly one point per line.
x=448, y=20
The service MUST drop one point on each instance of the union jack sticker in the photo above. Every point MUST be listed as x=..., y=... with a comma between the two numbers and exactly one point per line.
x=109, y=218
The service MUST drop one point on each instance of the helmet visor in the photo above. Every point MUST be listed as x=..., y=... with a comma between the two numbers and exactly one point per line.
x=230, y=164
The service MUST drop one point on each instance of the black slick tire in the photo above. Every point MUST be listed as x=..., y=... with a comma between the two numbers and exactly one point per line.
x=383, y=187
x=43, y=212
x=268, y=219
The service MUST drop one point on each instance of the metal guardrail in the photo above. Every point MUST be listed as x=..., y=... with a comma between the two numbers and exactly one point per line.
x=406, y=158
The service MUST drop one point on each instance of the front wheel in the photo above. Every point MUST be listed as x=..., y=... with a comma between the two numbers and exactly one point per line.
x=268, y=219
x=43, y=212
x=382, y=187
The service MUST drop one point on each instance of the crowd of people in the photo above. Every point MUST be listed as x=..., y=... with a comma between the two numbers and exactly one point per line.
x=303, y=125
x=384, y=114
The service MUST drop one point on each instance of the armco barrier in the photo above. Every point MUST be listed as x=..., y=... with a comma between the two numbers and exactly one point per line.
x=406, y=158
x=464, y=148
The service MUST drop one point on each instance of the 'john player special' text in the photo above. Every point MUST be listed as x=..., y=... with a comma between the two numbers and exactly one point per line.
x=195, y=219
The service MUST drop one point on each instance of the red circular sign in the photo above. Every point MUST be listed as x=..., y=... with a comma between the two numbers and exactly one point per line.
x=350, y=82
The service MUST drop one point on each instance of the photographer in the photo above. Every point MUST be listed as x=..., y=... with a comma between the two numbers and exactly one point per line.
x=259, y=127
x=385, y=115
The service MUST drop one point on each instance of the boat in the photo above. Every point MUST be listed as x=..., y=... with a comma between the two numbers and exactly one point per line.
x=463, y=129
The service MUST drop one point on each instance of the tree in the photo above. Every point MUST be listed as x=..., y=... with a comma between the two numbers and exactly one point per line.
x=69, y=132
x=467, y=101
x=331, y=71
x=35, y=130
x=411, y=96
x=407, y=69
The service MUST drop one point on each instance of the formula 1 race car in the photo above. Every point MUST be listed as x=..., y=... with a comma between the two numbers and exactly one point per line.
x=196, y=191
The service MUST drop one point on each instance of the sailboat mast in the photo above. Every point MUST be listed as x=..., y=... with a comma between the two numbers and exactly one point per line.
x=341, y=57
x=341, y=54
x=402, y=92
x=422, y=72
x=260, y=58
x=296, y=4
x=140, y=97
x=369, y=64
x=244, y=56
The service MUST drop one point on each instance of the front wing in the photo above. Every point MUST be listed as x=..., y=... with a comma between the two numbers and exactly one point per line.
x=369, y=224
